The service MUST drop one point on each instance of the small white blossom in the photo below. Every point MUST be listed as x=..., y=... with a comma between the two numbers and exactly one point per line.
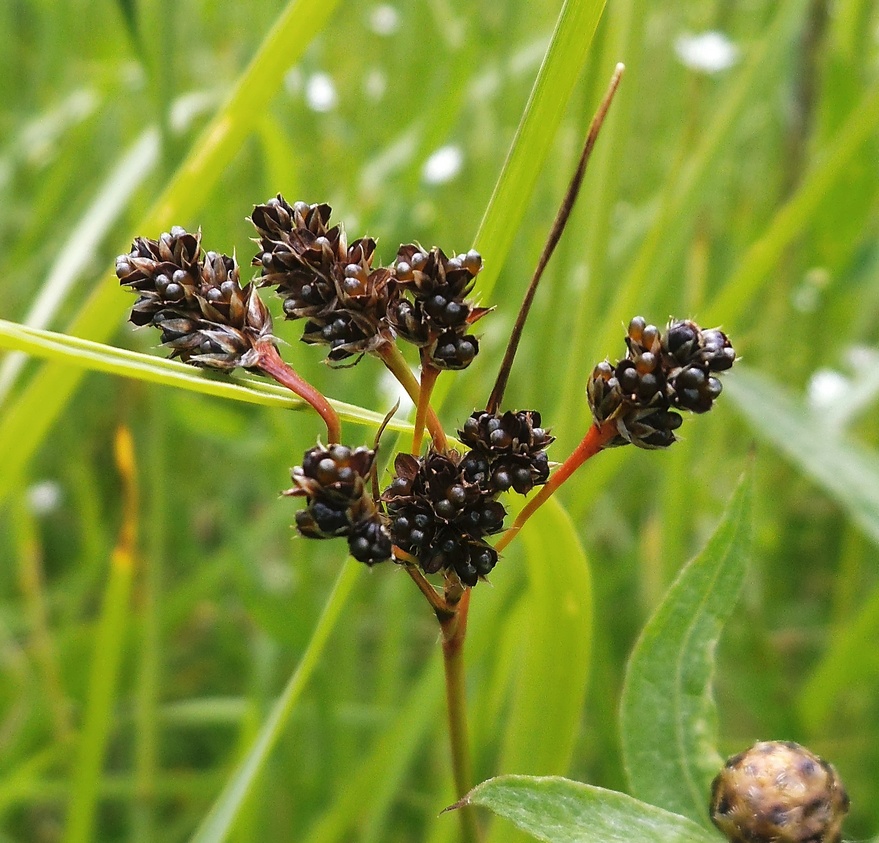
x=320, y=92
x=707, y=52
x=443, y=165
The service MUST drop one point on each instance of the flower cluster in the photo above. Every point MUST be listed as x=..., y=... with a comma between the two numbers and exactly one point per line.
x=353, y=307
x=661, y=373
x=196, y=300
x=441, y=517
x=333, y=480
x=438, y=508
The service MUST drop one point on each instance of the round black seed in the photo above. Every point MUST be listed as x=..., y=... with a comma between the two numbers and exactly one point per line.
x=173, y=292
x=422, y=521
x=445, y=509
x=416, y=538
x=455, y=313
x=466, y=350
x=456, y=495
x=435, y=306
x=501, y=480
x=326, y=471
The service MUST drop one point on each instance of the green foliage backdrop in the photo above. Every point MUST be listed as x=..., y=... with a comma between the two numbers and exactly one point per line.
x=737, y=185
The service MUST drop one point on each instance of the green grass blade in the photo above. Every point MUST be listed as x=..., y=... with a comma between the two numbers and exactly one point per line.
x=846, y=471
x=552, y=89
x=679, y=201
x=667, y=713
x=221, y=818
x=30, y=417
x=109, y=643
x=793, y=218
x=558, y=810
x=542, y=728
x=97, y=357
x=846, y=665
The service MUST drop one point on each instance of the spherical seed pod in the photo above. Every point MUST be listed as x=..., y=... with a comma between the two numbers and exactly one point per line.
x=778, y=792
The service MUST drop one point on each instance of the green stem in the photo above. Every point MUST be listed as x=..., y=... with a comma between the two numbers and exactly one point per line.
x=399, y=368
x=594, y=440
x=271, y=362
x=454, y=630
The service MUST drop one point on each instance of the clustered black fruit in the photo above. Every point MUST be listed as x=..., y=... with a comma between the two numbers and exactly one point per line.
x=438, y=508
x=429, y=308
x=353, y=307
x=440, y=517
x=661, y=373
x=778, y=792
x=334, y=482
x=196, y=300
x=321, y=278
x=507, y=451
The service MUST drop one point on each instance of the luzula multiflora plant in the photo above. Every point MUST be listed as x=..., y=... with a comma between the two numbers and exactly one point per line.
x=442, y=505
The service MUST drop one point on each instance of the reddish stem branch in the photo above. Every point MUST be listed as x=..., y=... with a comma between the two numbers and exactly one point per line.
x=271, y=362
x=555, y=234
x=594, y=440
x=454, y=630
x=428, y=378
x=399, y=368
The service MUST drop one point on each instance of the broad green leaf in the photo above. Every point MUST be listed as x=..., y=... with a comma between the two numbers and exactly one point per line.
x=28, y=420
x=543, y=725
x=558, y=810
x=97, y=357
x=667, y=714
x=846, y=471
x=221, y=818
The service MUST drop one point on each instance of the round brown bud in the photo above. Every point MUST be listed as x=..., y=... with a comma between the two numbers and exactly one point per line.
x=781, y=792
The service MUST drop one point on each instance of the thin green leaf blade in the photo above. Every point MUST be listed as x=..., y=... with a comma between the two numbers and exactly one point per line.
x=667, y=715
x=846, y=471
x=98, y=357
x=542, y=728
x=29, y=419
x=552, y=89
x=220, y=820
x=558, y=810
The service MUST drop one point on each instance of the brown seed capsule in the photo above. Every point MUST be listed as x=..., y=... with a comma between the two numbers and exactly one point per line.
x=778, y=792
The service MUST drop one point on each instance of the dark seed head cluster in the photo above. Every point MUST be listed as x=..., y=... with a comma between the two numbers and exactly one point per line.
x=196, y=300
x=778, y=792
x=334, y=482
x=352, y=306
x=438, y=508
x=661, y=374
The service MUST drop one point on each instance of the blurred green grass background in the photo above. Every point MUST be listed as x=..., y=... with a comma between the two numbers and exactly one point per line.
x=735, y=182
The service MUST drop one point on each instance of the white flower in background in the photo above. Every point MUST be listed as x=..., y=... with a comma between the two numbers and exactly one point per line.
x=443, y=165
x=826, y=388
x=44, y=497
x=320, y=92
x=707, y=52
x=384, y=19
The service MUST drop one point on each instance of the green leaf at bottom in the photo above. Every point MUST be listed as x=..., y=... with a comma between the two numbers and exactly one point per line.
x=667, y=715
x=559, y=810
